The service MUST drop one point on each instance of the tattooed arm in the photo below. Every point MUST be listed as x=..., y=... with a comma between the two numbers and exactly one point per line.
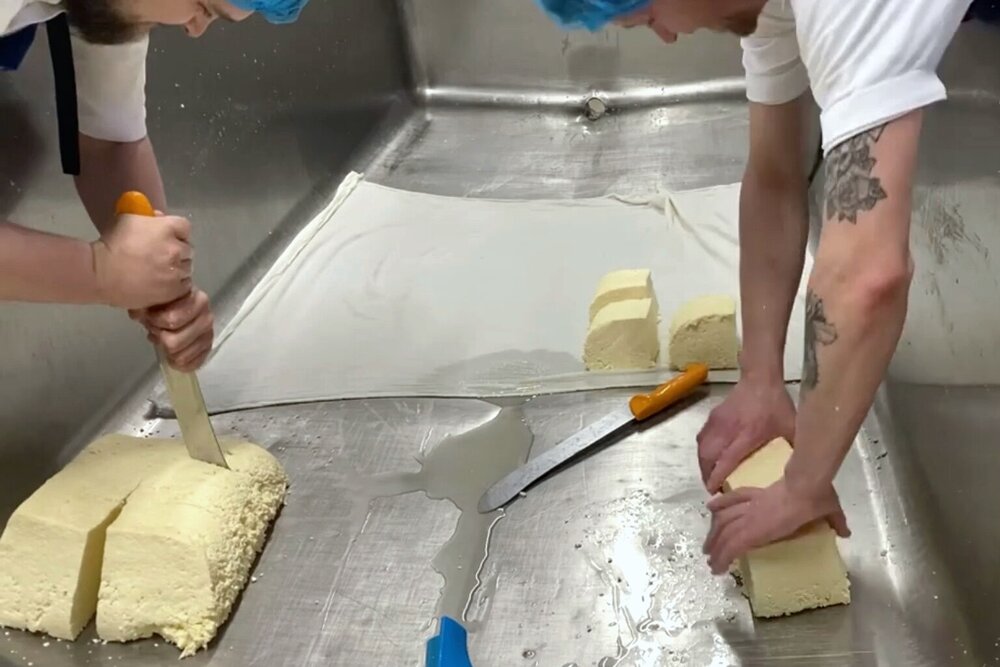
x=856, y=307
x=857, y=293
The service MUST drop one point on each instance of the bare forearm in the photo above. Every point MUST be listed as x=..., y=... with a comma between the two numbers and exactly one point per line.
x=774, y=226
x=40, y=267
x=773, y=233
x=108, y=169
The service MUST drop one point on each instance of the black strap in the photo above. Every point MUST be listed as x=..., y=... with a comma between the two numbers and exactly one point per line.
x=64, y=74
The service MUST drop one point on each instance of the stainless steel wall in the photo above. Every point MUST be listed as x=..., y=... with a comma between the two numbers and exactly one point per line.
x=942, y=393
x=252, y=124
x=489, y=51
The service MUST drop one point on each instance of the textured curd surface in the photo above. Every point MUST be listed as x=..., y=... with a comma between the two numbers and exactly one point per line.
x=181, y=550
x=803, y=572
x=703, y=330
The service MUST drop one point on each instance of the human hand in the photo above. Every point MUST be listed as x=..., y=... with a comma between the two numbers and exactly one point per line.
x=141, y=262
x=683, y=17
x=670, y=18
x=748, y=518
x=644, y=17
x=752, y=415
x=184, y=328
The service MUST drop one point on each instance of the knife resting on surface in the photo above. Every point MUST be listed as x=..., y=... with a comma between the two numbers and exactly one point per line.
x=639, y=409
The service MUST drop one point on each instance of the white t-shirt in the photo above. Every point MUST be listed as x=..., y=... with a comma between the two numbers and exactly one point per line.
x=867, y=61
x=110, y=80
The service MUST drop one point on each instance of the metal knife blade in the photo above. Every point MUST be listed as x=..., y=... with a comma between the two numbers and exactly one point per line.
x=192, y=415
x=507, y=489
x=641, y=408
x=185, y=392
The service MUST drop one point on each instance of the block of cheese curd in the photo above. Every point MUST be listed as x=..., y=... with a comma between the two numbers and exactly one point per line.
x=622, y=285
x=180, y=551
x=802, y=572
x=703, y=330
x=623, y=335
x=52, y=548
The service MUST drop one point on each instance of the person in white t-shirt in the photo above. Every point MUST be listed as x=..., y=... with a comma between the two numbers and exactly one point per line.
x=145, y=268
x=871, y=67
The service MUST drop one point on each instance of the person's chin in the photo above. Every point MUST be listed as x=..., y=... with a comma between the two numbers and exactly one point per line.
x=743, y=26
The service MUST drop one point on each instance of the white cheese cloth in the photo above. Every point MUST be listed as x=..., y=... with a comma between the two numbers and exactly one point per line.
x=396, y=293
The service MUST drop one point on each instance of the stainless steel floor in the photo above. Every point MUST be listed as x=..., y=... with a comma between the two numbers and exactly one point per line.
x=601, y=565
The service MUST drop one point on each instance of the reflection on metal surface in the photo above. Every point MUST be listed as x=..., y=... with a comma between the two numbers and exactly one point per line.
x=944, y=225
x=512, y=48
x=459, y=470
x=524, y=153
x=664, y=601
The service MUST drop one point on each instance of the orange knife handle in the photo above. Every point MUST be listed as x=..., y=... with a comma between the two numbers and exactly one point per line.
x=644, y=406
x=134, y=203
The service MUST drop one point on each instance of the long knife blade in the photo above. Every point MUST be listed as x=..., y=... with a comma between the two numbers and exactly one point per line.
x=507, y=489
x=192, y=415
x=185, y=392
x=640, y=408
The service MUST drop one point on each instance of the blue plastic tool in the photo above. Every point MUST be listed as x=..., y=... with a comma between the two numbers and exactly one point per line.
x=450, y=647
x=589, y=14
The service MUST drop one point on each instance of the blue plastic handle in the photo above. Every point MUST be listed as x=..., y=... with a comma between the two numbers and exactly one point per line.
x=450, y=647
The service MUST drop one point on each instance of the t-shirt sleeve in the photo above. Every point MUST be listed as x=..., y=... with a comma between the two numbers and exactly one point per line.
x=774, y=70
x=8, y=10
x=872, y=62
x=111, y=89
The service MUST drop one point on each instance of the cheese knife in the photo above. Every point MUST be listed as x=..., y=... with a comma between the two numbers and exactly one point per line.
x=184, y=389
x=641, y=408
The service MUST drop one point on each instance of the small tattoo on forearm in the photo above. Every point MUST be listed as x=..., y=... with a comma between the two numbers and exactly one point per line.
x=819, y=331
x=850, y=188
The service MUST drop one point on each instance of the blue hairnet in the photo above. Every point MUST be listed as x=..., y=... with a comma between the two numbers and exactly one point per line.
x=589, y=14
x=275, y=11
